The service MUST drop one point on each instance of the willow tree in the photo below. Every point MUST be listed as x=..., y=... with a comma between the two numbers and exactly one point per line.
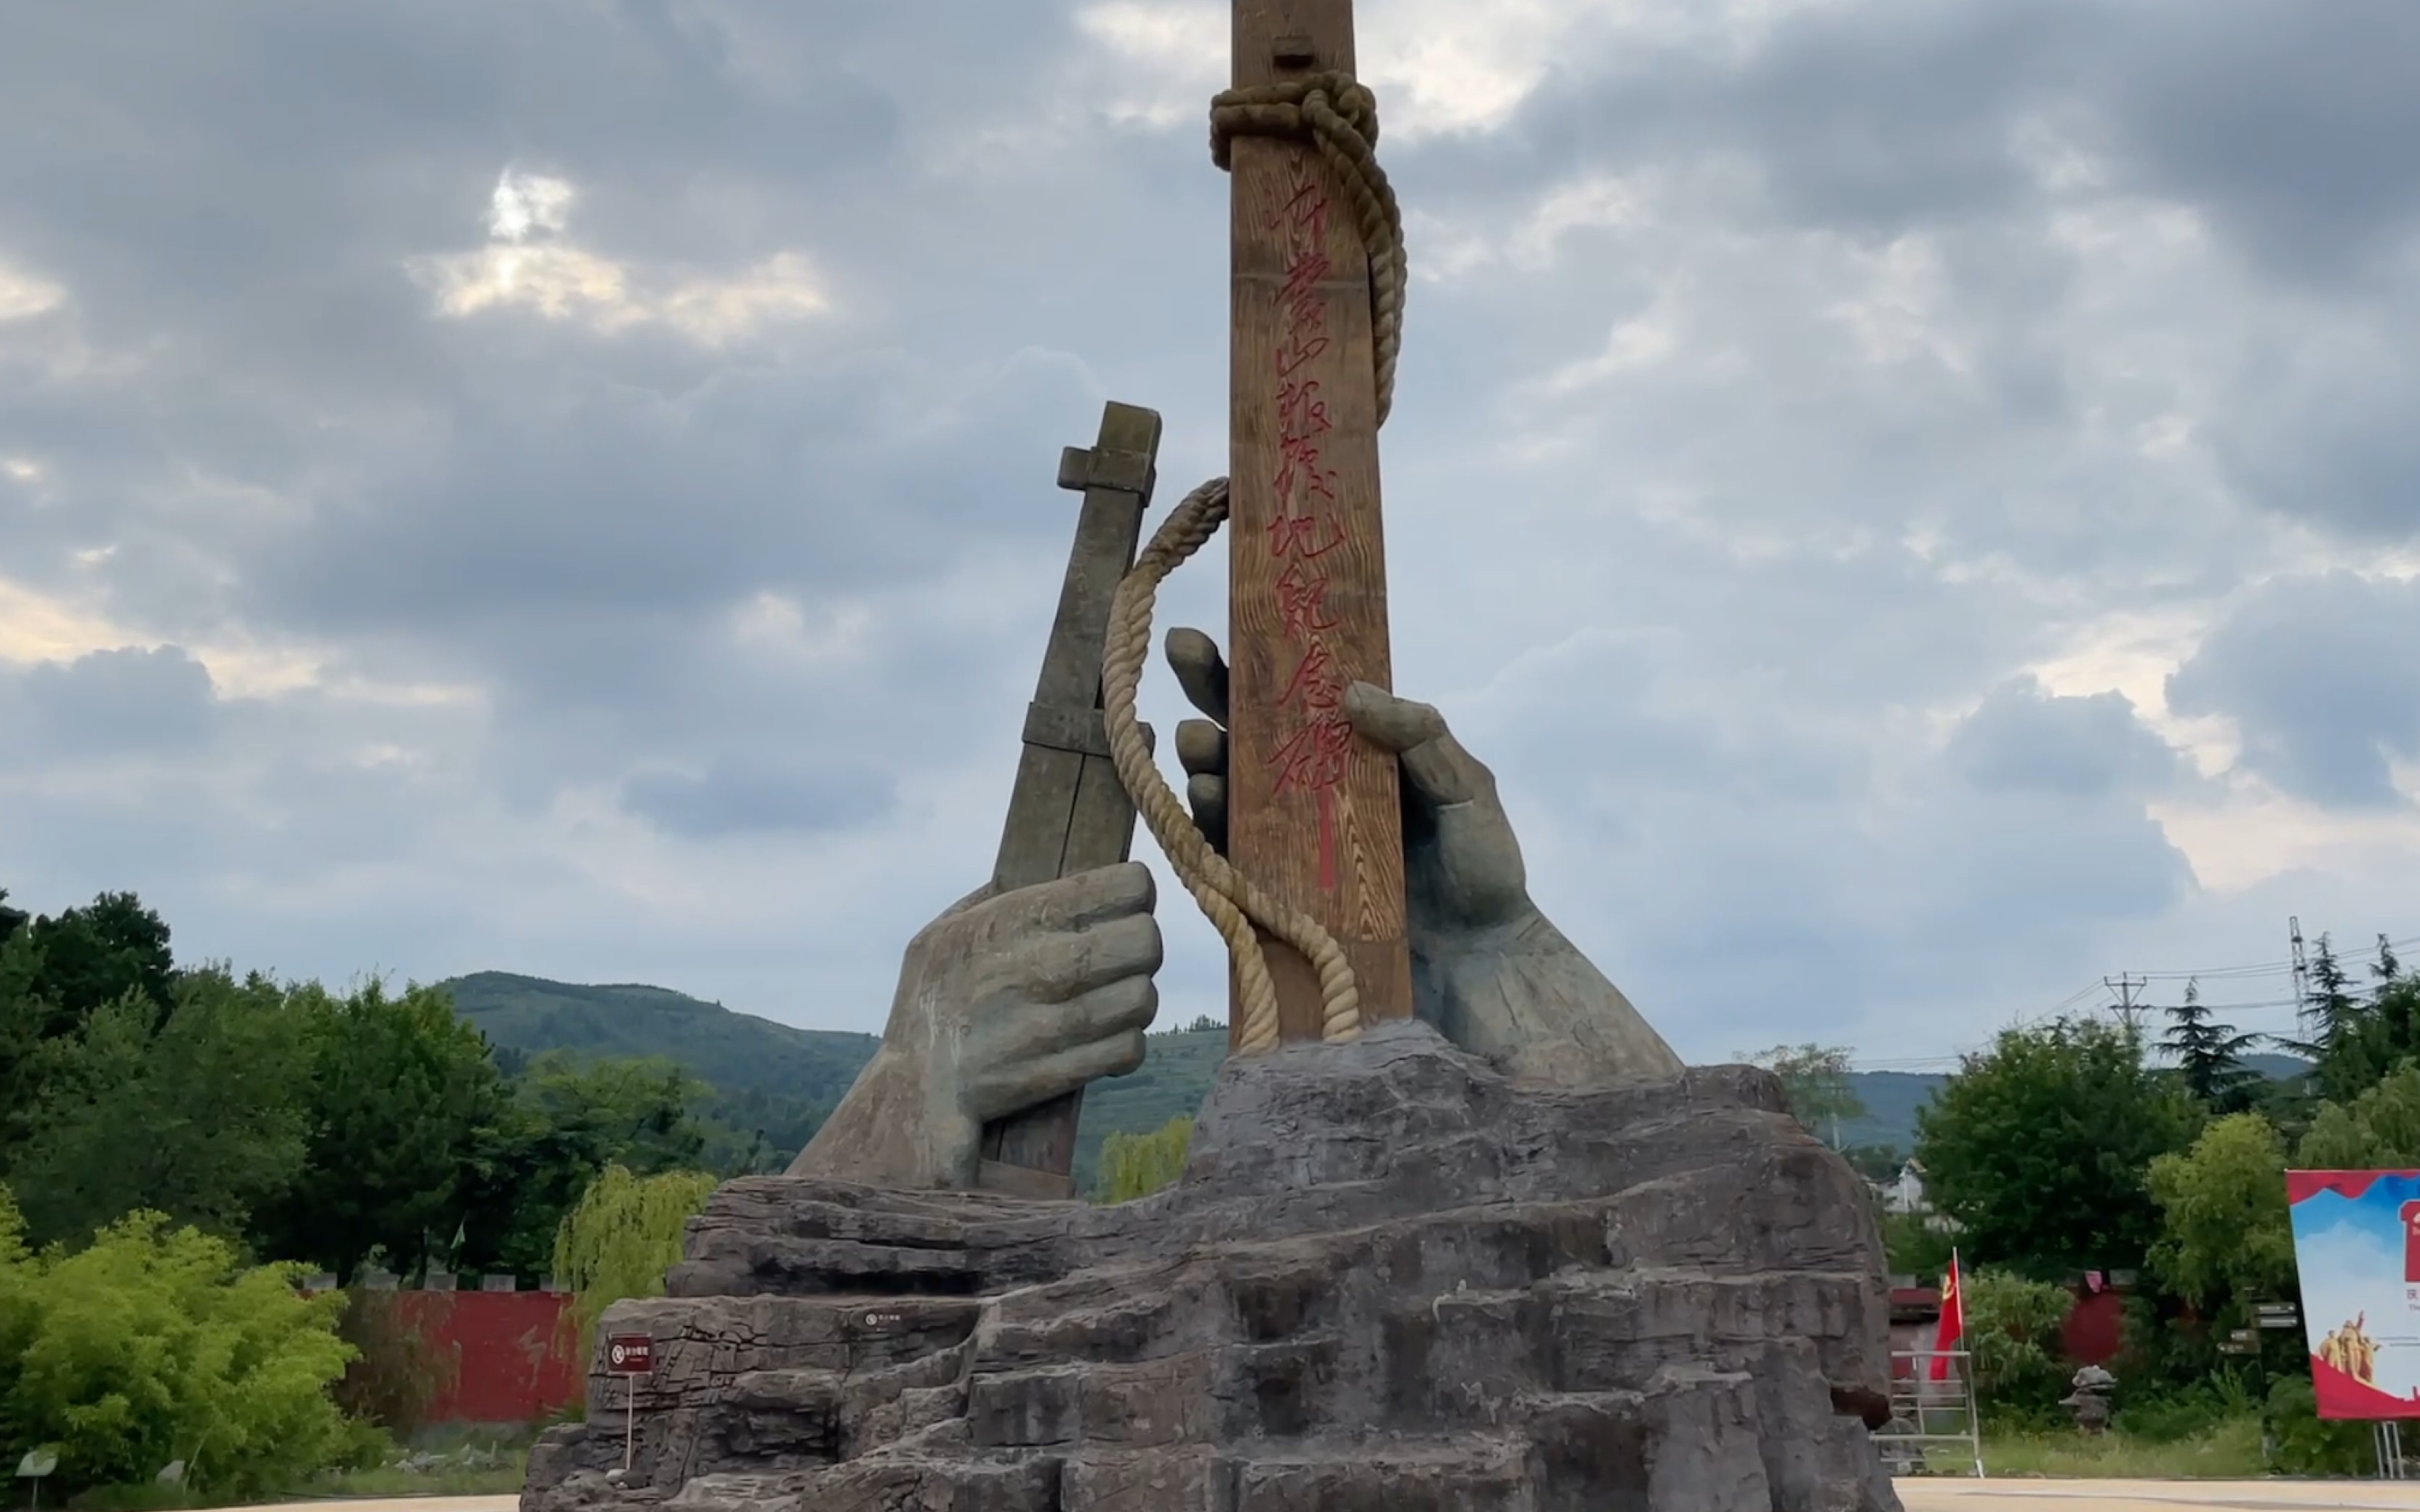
x=622, y=1235
x=1136, y=1165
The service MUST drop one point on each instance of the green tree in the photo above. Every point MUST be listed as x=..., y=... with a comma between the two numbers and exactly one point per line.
x=156, y=1344
x=1816, y=1080
x=197, y=1114
x=1916, y=1246
x=2334, y=1021
x=2379, y=1129
x=2209, y=1055
x=2224, y=1236
x=2039, y=1146
x=567, y=1121
x=399, y=1095
x=99, y=953
x=24, y=1051
x=2012, y=1337
x=623, y=1236
x=1136, y=1165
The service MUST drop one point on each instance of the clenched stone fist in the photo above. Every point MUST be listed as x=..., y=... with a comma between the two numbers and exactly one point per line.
x=1004, y=1002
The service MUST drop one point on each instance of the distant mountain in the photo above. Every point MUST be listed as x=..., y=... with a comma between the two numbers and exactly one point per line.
x=1891, y=1099
x=2278, y=1068
x=733, y=1053
x=739, y=1054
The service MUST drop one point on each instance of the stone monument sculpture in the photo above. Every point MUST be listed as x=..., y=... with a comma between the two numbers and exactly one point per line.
x=1458, y=1230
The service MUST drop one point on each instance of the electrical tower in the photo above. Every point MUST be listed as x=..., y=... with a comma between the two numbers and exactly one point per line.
x=2129, y=1011
x=2302, y=968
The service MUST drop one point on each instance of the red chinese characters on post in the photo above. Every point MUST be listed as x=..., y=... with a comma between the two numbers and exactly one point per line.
x=1314, y=756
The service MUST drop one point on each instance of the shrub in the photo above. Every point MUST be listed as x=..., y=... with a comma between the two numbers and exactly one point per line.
x=395, y=1376
x=157, y=1345
x=2308, y=1445
x=2012, y=1336
x=1136, y=1165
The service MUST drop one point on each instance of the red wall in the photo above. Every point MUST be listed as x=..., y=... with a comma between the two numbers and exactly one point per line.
x=2095, y=1327
x=512, y=1352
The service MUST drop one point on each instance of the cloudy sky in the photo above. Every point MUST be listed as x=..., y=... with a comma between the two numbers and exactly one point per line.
x=1919, y=499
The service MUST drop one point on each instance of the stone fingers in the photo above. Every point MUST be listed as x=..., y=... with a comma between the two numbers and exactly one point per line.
x=1039, y=1051
x=1201, y=750
x=1200, y=670
x=1056, y=968
x=1471, y=862
x=1434, y=763
x=1074, y=903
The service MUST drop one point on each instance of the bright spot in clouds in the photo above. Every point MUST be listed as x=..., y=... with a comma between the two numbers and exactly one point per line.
x=530, y=263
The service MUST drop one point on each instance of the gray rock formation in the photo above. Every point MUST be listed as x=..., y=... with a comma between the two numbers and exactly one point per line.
x=1391, y=1279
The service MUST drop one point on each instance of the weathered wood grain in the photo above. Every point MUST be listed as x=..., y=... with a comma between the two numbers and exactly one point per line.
x=1313, y=812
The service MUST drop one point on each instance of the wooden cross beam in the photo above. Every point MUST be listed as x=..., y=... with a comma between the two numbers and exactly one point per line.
x=1069, y=812
x=1312, y=812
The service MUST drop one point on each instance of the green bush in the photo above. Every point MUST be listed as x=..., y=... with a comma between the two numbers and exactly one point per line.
x=2308, y=1445
x=155, y=1345
x=1136, y=1165
x=395, y=1375
x=2012, y=1336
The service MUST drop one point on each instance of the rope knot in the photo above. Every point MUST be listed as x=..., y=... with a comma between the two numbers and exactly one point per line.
x=1292, y=108
x=1339, y=114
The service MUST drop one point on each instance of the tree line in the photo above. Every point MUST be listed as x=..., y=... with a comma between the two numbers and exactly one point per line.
x=338, y=1128
x=2147, y=1144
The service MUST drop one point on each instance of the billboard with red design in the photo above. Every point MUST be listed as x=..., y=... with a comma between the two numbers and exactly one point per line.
x=2357, y=1247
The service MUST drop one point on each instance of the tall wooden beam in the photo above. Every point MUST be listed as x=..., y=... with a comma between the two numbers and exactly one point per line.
x=1312, y=812
x=1069, y=812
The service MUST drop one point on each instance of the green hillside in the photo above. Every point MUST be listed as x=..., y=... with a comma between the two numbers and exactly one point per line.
x=735, y=1053
x=759, y=1064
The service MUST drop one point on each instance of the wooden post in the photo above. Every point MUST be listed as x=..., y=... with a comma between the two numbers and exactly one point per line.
x=1313, y=814
x=1069, y=812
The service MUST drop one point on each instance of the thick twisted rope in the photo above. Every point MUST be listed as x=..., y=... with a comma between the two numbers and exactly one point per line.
x=1341, y=117
x=1231, y=900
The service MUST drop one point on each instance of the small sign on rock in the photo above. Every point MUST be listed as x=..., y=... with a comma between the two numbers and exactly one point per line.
x=630, y=1354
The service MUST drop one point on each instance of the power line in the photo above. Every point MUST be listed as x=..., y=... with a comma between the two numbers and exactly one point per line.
x=2124, y=987
x=2268, y=969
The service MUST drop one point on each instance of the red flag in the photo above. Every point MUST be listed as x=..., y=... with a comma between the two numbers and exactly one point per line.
x=1953, y=1319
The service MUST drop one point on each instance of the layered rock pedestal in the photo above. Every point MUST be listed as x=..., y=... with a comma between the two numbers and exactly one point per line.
x=1390, y=1279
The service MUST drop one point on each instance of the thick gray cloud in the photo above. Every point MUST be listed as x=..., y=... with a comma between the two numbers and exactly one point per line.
x=2321, y=675
x=1822, y=427
x=107, y=705
x=2021, y=740
x=737, y=797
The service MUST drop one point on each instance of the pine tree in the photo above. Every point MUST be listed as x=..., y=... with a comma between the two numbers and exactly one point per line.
x=2335, y=1025
x=2394, y=1007
x=2210, y=1056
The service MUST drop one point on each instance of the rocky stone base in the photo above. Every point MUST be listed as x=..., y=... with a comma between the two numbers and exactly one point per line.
x=1390, y=1279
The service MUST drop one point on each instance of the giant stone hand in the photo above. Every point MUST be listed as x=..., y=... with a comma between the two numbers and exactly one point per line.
x=1004, y=1002
x=1489, y=970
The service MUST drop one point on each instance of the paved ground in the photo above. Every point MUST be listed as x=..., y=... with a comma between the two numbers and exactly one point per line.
x=2155, y=1495
x=1944, y=1495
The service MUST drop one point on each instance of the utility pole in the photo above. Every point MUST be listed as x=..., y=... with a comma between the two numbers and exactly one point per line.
x=2301, y=966
x=2125, y=986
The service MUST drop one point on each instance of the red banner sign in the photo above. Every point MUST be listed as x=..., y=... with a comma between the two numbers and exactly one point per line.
x=630, y=1354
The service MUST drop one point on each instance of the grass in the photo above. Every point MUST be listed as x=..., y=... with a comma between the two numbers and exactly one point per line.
x=2228, y=1451
x=386, y=1481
